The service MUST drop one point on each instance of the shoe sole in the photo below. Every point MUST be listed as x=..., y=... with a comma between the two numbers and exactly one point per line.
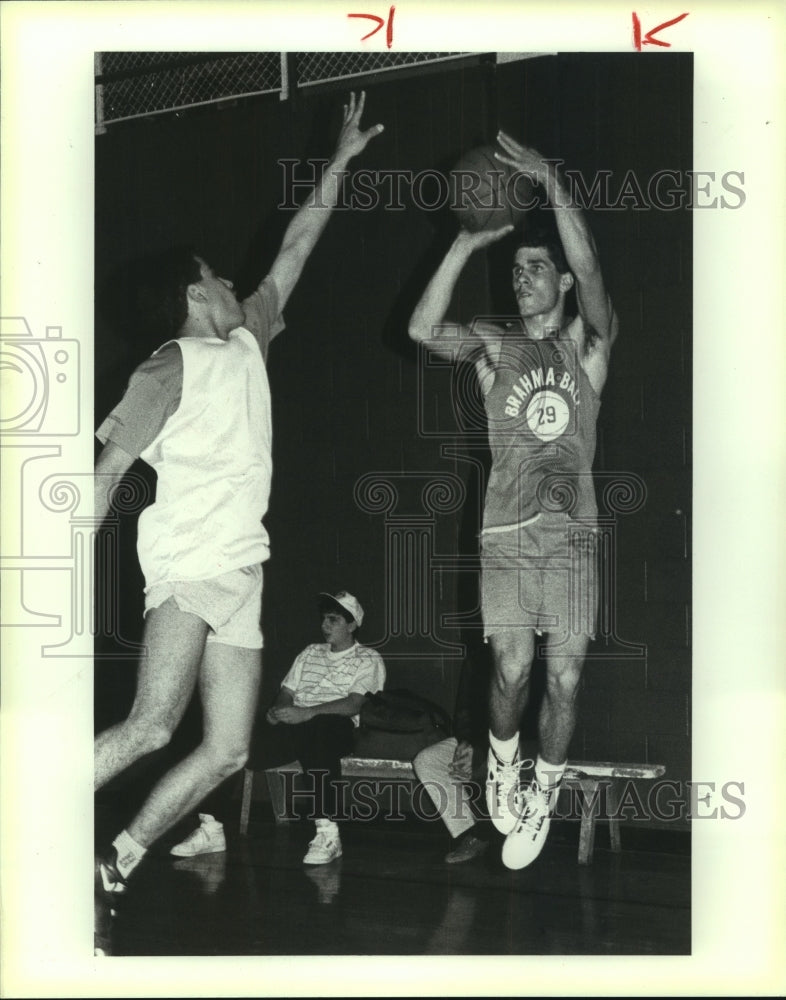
x=327, y=861
x=461, y=859
x=194, y=854
x=513, y=864
x=504, y=823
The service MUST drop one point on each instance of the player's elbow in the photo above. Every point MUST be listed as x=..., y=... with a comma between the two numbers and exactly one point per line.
x=419, y=329
x=417, y=332
x=289, y=264
x=585, y=267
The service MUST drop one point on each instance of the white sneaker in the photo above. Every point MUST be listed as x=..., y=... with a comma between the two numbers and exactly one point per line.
x=325, y=847
x=502, y=791
x=527, y=838
x=208, y=838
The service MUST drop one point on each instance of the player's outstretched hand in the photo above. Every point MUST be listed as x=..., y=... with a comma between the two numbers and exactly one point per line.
x=523, y=158
x=476, y=241
x=351, y=140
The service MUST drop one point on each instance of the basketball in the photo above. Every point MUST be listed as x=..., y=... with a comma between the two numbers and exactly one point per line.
x=486, y=193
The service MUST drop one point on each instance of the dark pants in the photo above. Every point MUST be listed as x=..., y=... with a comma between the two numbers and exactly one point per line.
x=318, y=744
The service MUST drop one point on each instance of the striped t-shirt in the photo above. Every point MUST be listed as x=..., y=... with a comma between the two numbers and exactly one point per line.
x=318, y=675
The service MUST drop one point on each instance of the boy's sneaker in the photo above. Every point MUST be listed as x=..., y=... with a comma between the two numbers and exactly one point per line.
x=466, y=848
x=108, y=887
x=325, y=847
x=502, y=791
x=527, y=838
x=208, y=838
x=108, y=880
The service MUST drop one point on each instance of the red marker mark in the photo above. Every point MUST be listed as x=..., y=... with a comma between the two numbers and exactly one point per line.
x=649, y=38
x=380, y=22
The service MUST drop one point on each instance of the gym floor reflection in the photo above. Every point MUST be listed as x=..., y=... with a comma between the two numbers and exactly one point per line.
x=391, y=893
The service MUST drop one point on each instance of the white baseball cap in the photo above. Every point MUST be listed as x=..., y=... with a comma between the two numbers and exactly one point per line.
x=347, y=602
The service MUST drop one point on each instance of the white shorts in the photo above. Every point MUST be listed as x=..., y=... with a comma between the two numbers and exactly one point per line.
x=231, y=604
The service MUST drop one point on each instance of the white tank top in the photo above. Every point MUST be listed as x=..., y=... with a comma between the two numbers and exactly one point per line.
x=213, y=462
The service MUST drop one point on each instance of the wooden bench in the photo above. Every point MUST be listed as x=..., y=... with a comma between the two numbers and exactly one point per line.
x=588, y=777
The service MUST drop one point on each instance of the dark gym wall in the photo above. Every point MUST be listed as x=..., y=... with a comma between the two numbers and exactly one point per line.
x=348, y=401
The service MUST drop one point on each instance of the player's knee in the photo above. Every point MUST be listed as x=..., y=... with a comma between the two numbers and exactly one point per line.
x=512, y=674
x=513, y=657
x=153, y=734
x=240, y=760
x=563, y=683
x=226, y=761
x=150, y=726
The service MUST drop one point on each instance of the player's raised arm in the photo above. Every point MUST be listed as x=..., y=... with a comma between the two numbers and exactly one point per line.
x=311, y=218
x=595, y=305
x=428, y=324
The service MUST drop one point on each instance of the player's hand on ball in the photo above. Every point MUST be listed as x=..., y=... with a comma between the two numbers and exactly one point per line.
x=476, y=241
x=351, y=140
x=523, y=158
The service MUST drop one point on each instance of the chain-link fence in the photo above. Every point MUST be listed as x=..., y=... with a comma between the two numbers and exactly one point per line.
x=139, y=84
x=319, y=67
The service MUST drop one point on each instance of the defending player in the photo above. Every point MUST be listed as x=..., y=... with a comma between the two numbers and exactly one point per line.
x=198, y=412
x=541, y=380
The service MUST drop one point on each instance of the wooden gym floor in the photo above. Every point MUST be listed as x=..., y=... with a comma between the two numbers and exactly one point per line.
x=392, y=894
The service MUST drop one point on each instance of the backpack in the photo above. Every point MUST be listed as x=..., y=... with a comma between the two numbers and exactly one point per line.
x=399, y=724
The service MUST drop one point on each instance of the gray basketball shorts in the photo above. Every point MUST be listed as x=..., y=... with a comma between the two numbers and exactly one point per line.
x=231, y=604
x=541, y=574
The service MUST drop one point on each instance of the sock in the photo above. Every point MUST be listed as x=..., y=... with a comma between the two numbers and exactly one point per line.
x=548, y=776
x=328, y=826
x=129, y=853
x=207, y=820
x=505, y=750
